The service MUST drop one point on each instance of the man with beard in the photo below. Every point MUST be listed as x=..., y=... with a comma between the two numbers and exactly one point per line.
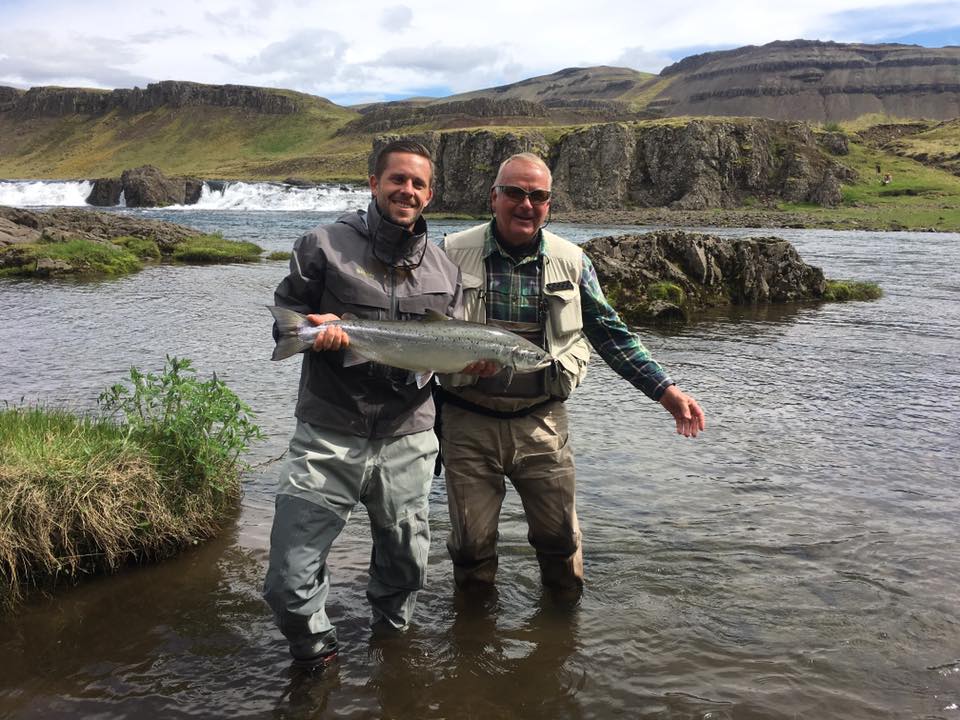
x=364, y=432
x=521, y=277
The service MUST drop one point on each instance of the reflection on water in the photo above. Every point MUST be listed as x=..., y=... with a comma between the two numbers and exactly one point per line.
x=795, y=560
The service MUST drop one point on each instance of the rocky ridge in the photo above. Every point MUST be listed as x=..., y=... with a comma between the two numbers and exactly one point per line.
x=813, y=80
x=59, y=102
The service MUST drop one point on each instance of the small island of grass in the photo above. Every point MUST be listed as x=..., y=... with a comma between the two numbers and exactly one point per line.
x=83, y=494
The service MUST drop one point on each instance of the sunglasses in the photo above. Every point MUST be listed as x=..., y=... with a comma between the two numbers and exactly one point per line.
x=518, y=194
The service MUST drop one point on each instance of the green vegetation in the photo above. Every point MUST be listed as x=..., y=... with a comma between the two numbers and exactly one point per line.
x=121, y=256
x=143, y=248
x=195, y=140
x=214, y=249
x=667, y=292
x=80, y=494
x=841, y=290
x=279, y=255
x=82, y=257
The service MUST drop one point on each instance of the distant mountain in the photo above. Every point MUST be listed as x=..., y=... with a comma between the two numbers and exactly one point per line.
x=820, y=81
x=784, y=80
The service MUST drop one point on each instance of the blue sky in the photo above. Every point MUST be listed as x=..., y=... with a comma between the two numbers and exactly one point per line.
x=356, y=52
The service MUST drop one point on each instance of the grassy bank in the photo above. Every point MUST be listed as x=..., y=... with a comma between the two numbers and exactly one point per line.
x=159, y=469
x=123, y=255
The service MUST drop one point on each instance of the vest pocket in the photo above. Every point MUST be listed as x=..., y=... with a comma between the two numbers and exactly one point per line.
x=564, y=309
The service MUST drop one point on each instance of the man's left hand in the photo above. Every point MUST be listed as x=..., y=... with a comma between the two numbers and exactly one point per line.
x=690, y=418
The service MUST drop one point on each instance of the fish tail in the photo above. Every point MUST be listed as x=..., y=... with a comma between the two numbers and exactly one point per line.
x=289, y=323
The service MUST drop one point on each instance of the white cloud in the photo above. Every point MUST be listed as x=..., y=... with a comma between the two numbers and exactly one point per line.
x=396, y=18
x=378, y=48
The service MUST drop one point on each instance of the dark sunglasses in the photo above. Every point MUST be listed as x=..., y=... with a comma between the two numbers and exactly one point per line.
x=517, y=194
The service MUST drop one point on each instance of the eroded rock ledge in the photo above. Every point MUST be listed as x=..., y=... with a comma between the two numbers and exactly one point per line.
x=670, y=274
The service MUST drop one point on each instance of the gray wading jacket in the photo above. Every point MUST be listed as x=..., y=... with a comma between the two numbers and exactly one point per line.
x=363, y=264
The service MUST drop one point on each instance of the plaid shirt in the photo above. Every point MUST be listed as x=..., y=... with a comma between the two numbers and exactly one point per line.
x=513, y=294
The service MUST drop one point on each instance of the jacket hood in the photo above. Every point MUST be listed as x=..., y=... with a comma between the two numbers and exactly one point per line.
x=392, y=244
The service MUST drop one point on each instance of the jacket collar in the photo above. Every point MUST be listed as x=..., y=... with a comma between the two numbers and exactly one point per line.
x=392, y=244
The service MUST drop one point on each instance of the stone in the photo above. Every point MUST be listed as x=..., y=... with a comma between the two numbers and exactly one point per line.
x=709, y=270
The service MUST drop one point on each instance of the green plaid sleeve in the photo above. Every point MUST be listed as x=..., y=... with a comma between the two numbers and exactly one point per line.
x=620, y=348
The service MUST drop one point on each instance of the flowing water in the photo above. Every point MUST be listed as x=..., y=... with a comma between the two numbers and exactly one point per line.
x=799, y=559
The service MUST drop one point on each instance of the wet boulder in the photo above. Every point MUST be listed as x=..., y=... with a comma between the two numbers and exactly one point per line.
x=670, y=274
x=146, y=186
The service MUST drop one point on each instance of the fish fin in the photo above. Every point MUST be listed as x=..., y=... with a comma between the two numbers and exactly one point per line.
x=423, y=378
x=349, y=316
x=352, y=357
x=287, y=320
x=289, y=323
x=288, y=346
x=432, y=315
x=507, y=375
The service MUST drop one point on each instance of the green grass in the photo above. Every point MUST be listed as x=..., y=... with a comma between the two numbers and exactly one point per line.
x=205, y=141
x=279, y=255
x=73, y=257
x=214, y=249
x=143, y=248
x=843, y=290
x=82, y=494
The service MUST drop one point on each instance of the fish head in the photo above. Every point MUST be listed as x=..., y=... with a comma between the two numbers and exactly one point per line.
x=529, y=358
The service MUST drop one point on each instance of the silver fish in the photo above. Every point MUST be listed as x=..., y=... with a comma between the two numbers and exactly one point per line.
x=436, y=345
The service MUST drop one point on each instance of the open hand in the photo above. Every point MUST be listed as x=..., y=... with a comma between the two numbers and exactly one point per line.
x=685, y=410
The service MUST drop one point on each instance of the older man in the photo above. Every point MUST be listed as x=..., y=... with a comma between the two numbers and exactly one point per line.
x=521, y=277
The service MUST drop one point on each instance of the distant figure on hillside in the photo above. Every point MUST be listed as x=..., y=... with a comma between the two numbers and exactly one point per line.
x=878, y=168
x=887, y=178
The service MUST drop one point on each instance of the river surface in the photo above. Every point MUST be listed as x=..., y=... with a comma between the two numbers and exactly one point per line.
x=799, y=559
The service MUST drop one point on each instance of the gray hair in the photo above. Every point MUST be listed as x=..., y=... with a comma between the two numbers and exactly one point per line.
x=527, y=157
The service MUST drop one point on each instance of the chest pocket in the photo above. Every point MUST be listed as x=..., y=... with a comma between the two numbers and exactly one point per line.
x=438, y=301
x=343, y=293
x=563, y=306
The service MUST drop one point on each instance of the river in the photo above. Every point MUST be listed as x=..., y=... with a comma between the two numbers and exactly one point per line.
x=798, y=559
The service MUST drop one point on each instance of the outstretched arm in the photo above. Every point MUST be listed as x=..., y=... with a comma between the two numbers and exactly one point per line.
x=685, y=410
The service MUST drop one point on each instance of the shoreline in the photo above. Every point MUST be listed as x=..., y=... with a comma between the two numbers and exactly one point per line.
x=744, y=218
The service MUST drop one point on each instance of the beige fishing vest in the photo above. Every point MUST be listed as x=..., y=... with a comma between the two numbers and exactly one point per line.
x=562, y=268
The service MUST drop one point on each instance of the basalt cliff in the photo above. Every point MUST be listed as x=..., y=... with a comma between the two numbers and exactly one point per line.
x=691, y=165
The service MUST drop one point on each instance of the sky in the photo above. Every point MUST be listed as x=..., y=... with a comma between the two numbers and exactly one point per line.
x=355, y=52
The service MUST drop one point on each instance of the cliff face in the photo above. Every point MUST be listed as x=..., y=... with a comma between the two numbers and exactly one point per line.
x=819, y=81
x=692, y=166
x=58, y=102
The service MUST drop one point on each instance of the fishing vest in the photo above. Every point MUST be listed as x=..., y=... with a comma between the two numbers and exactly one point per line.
x=560, y=289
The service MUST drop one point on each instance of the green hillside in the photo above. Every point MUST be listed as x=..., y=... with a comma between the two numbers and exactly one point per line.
x=211, y=142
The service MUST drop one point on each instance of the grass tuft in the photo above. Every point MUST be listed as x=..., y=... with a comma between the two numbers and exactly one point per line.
x=83, y=494
x=841, y=290
x=214, y=249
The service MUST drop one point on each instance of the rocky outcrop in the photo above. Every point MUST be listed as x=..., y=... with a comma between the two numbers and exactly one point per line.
x=668, y=275
x=105, y=192
x=18, y=226
x=59, y=102
x=818, y=81
x=145, y=186
x=686, y=166
x=384, y=117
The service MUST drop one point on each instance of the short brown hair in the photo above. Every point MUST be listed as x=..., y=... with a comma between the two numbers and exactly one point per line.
x=402, y=146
